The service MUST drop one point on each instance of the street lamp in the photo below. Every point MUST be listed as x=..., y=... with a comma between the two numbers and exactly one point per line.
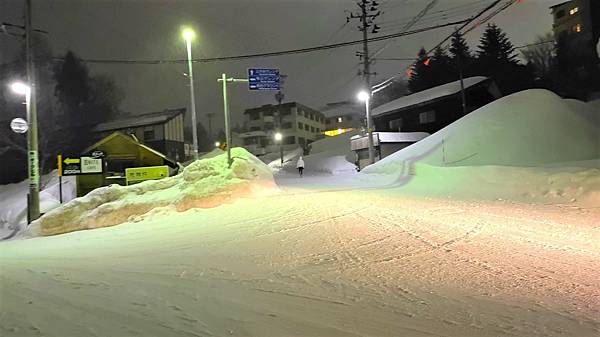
x=366, y=97
x=278, y=137
x=217, y=144
x=188, y=35
x=21, y=89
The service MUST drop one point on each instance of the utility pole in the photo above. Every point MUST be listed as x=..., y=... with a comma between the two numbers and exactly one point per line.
x=460, y=76
x=279, y=97
x=224, y=80
x=32, y=135
x=210, y=116
x=367, y=15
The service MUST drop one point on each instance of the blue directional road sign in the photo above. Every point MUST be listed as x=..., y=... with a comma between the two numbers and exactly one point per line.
x=263, y=79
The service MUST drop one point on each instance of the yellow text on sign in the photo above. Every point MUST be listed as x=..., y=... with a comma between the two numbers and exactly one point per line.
x=137, y=174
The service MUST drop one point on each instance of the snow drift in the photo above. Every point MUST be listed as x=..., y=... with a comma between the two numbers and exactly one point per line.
x=531, y=146
x=204, y=183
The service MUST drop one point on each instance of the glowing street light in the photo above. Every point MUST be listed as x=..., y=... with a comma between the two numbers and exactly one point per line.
x=366, y=97
x=278, y=136
x=217, y=144
x=188, y=35
x=20, y=88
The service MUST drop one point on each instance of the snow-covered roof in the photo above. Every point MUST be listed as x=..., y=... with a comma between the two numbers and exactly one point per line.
x=401, y=137
x=139, y=120
x=427, y=95
x=252, y=134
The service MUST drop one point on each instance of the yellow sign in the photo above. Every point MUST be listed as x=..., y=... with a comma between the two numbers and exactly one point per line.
x=137, y=174
x=59, y=162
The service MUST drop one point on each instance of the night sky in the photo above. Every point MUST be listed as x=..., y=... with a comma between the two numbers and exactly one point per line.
x=147, y=30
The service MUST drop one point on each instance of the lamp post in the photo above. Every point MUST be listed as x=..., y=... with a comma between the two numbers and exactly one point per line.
x=188, y=36
x=278, y=138
x=366, y=97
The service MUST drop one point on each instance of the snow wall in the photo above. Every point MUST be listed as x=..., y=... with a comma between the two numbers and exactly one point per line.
x=532, y=145
x=204, y=183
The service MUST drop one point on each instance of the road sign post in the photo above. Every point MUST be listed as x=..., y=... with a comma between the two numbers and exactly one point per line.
x=224, y=81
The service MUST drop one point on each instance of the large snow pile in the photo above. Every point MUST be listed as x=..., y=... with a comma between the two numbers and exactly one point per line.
x=204, y=183
x=531, y=145
x=13, y=200
x=328, y=155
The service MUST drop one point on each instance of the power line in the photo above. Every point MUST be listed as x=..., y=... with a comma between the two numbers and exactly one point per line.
x=271, y=54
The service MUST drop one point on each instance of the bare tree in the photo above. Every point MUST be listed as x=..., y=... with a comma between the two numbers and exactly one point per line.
x=541, y=54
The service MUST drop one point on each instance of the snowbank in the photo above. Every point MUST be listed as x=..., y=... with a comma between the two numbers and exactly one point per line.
x=529, y=146
x=529, y=128
x=204, y=183
x=13, y=210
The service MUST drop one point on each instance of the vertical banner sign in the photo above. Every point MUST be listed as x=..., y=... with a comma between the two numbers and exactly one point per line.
x=59, y=165
x=34, y=180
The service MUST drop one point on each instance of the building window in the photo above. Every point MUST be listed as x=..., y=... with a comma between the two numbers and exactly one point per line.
x=311, y=116
x=306, y=127
x=427, y=117
x=289, y=140
x=328, y=121
x=148, y=134
x=286, y=112
x=254, y=128
x=577, y=28
x=560, y=14
x=318, y=130
x=267, y=113
x=300, y=113
x=574, y=10
x=287, y=125
x=312, y=129
x=339, y=119
x=300, y=126
x=269, y=126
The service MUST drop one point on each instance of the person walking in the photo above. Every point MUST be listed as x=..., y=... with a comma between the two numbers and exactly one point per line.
x=300, y=166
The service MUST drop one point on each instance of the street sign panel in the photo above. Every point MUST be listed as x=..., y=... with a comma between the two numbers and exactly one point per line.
x=263, y=79
x=91, y=165
x=80, y=165
x=139, y=174
x=19, y=125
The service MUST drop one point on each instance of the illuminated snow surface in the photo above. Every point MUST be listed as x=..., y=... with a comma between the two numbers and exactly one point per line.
x=351, y=254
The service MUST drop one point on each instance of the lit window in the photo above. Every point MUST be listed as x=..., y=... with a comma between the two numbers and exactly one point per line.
x=574, y=10
x=577, y=28
x=339, y=119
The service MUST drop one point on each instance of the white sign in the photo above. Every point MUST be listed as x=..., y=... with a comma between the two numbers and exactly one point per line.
x=19, y=125
x=91, y=165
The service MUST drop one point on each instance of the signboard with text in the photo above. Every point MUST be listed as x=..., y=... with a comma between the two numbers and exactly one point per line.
x=138, y=174
x=71, y=165
x=263, y=79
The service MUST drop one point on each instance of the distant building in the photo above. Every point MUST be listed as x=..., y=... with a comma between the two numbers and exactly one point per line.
x=162, y=131
x=435, y=108
x=120, y=151
x=300, y=126
x=577, y=19
x=342, y=117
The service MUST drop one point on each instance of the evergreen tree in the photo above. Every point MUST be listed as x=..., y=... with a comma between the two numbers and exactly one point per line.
x=496, y=58
x=440, y=67
x=72, y=88
x=460, y=56
x=420, y=75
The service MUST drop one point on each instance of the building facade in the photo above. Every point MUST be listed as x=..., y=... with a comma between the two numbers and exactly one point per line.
x=433, y=109
x=298, y=124
x=577, y=19
x=342, y=117
x=162, y=131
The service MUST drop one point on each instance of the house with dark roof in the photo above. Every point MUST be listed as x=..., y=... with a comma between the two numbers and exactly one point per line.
x=162, y=131
x=433, y=109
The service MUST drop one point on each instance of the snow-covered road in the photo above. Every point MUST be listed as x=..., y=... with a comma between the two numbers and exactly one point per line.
x=325, y=262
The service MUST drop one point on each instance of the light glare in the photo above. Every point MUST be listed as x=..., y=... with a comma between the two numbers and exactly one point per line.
x=20, y=88
x=188, y=34
x=363, y=96
x=278, y=136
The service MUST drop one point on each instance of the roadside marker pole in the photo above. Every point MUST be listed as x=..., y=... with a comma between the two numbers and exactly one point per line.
x=59, y=166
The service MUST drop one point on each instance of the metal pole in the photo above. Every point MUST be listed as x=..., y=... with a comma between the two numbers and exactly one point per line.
x=462, y=87
x=370, y=131
x=279, y=97
x=192, y=99
x=226, y=112
x=32, y=135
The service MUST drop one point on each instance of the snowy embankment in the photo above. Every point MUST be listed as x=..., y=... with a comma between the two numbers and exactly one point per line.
x=328, y=155
x=205, y=183
x=530, y=146
x=13, y=198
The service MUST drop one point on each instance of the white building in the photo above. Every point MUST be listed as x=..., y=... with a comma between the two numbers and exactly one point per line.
x=298, y=124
